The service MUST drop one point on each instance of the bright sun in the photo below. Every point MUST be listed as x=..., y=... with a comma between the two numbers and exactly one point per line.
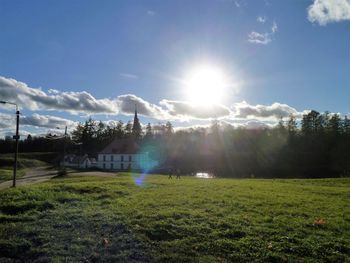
x=205, y=85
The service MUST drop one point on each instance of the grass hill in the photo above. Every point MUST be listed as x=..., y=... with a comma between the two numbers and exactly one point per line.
x=126, y=218
x=25, y=160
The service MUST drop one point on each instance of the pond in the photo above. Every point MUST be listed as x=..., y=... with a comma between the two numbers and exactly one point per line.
x=204, y=175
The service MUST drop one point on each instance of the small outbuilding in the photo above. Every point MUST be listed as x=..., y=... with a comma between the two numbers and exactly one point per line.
x=81, y=162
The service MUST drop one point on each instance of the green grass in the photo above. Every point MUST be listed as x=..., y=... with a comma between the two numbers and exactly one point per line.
x=6, y=173
x=6, y=165
x=48, y=157
x=216, y=220
x=21, y=162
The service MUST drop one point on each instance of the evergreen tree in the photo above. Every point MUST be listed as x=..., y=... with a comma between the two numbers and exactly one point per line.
x=128, y=128
x=149, y=131
x=119, y=130
x=312, y=123
x=346, y=126
x=169, y=128
x=29, y=138
x=334, y=124
x=281, y=127
x=292, y=125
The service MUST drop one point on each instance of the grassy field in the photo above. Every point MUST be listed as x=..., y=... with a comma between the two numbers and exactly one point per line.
x=25, y=160
x=125, y=219
x=6, y=173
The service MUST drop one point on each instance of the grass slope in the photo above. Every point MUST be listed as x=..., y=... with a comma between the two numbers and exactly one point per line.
x=6, y=173
x=220, y=220
x=25, y=160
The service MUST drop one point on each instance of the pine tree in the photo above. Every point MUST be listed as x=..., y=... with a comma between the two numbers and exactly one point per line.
x=334, y=124
x=128, y=128
x=149, y=131
x=169, y=128
x=119, y=130
x=292, y=125
x=281, y=127
x=346, y=126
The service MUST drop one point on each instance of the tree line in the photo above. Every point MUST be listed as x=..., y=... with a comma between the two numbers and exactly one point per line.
x=316, y=146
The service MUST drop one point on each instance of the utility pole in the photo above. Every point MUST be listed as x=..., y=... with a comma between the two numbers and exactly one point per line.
x=16, y=150
x=64, y=148
x=16, y=137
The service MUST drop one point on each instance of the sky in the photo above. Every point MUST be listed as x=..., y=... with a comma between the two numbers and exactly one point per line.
x=65, y=61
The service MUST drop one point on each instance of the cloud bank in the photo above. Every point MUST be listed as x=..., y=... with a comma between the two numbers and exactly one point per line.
x=7, y=121
x=35, y=99
x=183, y=109
x=84, y=103
x=276, y=110
x=329, y=11
x=126, y=105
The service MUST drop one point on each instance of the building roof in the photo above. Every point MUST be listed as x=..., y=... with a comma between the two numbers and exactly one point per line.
x=121, y=146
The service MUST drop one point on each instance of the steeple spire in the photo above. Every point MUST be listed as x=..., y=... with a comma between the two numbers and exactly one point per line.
x=135, y=116
x=136, y=127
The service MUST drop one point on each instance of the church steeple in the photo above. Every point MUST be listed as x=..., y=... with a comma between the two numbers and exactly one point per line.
x=135, y=116
x=136, y=127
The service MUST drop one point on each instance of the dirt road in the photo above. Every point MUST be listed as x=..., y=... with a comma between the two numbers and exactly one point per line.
x=32, y=176
x=41, y=174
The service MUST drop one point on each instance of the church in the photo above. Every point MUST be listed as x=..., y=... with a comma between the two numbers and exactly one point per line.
x=125, y=154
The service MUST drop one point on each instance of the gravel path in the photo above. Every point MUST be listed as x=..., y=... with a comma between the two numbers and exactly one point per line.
x=41, y=174
x=32, y=176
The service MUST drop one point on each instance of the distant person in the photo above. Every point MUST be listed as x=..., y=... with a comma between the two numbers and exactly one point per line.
x=170, y=174
x=178, y=173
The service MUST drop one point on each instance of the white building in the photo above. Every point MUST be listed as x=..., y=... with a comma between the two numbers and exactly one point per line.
x=124, y=154
x=82, y=162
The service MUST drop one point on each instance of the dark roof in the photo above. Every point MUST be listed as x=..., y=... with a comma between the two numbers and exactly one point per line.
x=124, y=146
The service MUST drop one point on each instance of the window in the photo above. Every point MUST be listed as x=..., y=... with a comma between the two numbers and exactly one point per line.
x=104, y=158
x=122, y=158
x=112, y=158
x=129, y=158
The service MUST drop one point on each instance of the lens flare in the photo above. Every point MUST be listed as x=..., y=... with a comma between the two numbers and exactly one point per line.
x=205, y=85
x=147, y=162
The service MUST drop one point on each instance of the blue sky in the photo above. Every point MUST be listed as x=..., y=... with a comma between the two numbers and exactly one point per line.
x=286, y=56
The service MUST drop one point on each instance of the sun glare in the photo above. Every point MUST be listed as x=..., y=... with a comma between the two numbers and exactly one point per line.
x=205, y=85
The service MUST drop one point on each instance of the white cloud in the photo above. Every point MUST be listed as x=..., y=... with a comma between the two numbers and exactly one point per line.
x=126, y=104
x=274, y=111
x=263, y=38
x=274, y=27
x=46, y=121
x=261, y=19
x=328, y=11
x=257, y=38
x=83, y=102
x=128, y=76
x=35, y=99
x=252, y=125
x=6, y=120
x=188, y=110
x=151, y=12
x=238, y=3
x=22, y=133
x=36, y=120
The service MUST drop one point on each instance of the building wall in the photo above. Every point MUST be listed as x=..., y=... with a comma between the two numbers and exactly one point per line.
x=121, y=161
